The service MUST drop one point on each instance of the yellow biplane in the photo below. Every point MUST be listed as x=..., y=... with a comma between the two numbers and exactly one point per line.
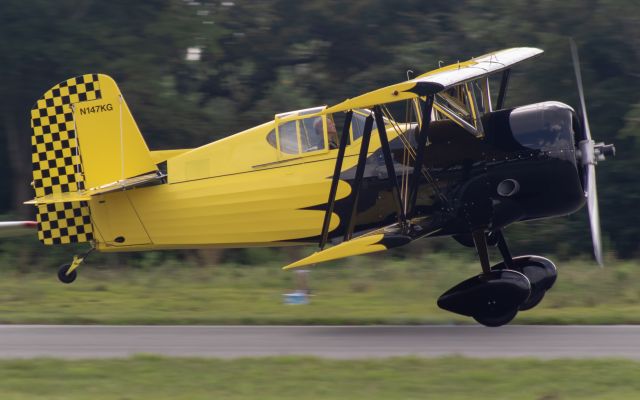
x=460, y=164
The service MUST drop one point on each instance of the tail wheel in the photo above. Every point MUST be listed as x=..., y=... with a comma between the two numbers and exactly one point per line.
x=64, y=277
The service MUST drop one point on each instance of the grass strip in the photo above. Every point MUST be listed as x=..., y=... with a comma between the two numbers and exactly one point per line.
x=281, y=378
x=356, y=291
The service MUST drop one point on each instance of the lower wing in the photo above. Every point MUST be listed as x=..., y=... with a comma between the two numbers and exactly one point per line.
x=378, y=240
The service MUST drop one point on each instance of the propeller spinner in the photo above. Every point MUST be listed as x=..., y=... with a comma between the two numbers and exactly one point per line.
x=589, y=153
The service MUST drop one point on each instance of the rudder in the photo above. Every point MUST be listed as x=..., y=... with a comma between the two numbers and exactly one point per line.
x=75, y=148
x=56, y=161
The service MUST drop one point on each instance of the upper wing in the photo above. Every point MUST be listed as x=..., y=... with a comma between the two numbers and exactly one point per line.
x=439, y=79
x=478, y=67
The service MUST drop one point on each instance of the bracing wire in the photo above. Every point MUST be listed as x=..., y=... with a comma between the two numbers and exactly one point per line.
x=412, y=154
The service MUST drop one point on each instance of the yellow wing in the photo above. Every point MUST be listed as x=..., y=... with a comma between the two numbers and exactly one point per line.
x=60, y=198
x=439, y=79
x=368, y=243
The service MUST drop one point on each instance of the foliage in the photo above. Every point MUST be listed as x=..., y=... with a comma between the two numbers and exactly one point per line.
x=260, y=58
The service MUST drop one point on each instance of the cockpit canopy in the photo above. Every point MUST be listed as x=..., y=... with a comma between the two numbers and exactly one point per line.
x=310, y=131
x=300, y=132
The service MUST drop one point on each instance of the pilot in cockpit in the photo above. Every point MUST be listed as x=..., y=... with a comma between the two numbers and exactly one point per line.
x=331, y=132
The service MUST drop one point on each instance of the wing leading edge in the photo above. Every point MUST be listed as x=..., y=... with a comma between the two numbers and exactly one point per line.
x=365, y=244
x=440, y=79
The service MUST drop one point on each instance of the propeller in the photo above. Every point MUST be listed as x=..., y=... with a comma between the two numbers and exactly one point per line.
x=589, y=153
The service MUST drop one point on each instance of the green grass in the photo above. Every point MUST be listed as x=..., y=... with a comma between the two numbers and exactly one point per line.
x=357, y=291
x=281, y=378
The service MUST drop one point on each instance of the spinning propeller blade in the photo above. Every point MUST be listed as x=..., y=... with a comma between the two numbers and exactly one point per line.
x=583, y=108
x=590, y=154
x=594, y=214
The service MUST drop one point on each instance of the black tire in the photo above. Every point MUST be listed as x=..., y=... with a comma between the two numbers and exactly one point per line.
x=62, y=274
x=491, y=298
x=496, y=319
x=534, y=299
x=540, y=271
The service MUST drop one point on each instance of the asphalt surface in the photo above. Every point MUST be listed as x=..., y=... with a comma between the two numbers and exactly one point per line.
x=324, y=341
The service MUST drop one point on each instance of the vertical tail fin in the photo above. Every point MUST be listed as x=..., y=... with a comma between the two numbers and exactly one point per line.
x=84, y=137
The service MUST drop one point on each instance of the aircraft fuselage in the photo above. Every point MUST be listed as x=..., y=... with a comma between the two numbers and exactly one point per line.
x=524, y=168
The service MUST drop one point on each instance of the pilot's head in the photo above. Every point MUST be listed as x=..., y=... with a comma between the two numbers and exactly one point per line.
x=331, y=127
x=331, y=131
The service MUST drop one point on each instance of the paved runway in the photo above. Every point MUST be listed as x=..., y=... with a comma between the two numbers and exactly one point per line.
x=323, y=341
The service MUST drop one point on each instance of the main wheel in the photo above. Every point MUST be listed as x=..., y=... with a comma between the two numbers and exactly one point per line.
x=62, y=274
x=540, y=271
x=495, y=318
x=492, y=299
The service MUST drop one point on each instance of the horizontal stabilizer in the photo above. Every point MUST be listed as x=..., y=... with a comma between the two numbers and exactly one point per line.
x=85, y=195
x=361, y=245
x=60, y=198
x=129, y=183
x=17, y=228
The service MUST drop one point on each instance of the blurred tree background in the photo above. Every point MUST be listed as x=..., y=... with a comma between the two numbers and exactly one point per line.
x=250, y=60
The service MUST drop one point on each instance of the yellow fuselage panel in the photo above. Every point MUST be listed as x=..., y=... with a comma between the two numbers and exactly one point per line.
x=116, y=221
x=236, y=192
x=158, y=156
x=255, y=208
x=231, y=155
x=249, y=151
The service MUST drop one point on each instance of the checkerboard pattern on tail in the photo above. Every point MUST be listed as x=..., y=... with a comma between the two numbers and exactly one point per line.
x=56, y=160
x=63, y=223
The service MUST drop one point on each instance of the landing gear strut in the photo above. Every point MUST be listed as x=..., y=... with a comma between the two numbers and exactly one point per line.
x=67, y=272
x=494, y=297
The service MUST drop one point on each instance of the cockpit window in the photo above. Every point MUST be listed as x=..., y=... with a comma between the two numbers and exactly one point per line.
x=311, y=134
x=288, y=135
x=357, y=123
x=299, y=134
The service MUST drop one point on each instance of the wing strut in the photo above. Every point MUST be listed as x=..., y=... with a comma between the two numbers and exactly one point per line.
x=419, y=160
x=504, y=83
x=360, y=169
x=388, y=160
x=336, y=178
x=362, y=161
